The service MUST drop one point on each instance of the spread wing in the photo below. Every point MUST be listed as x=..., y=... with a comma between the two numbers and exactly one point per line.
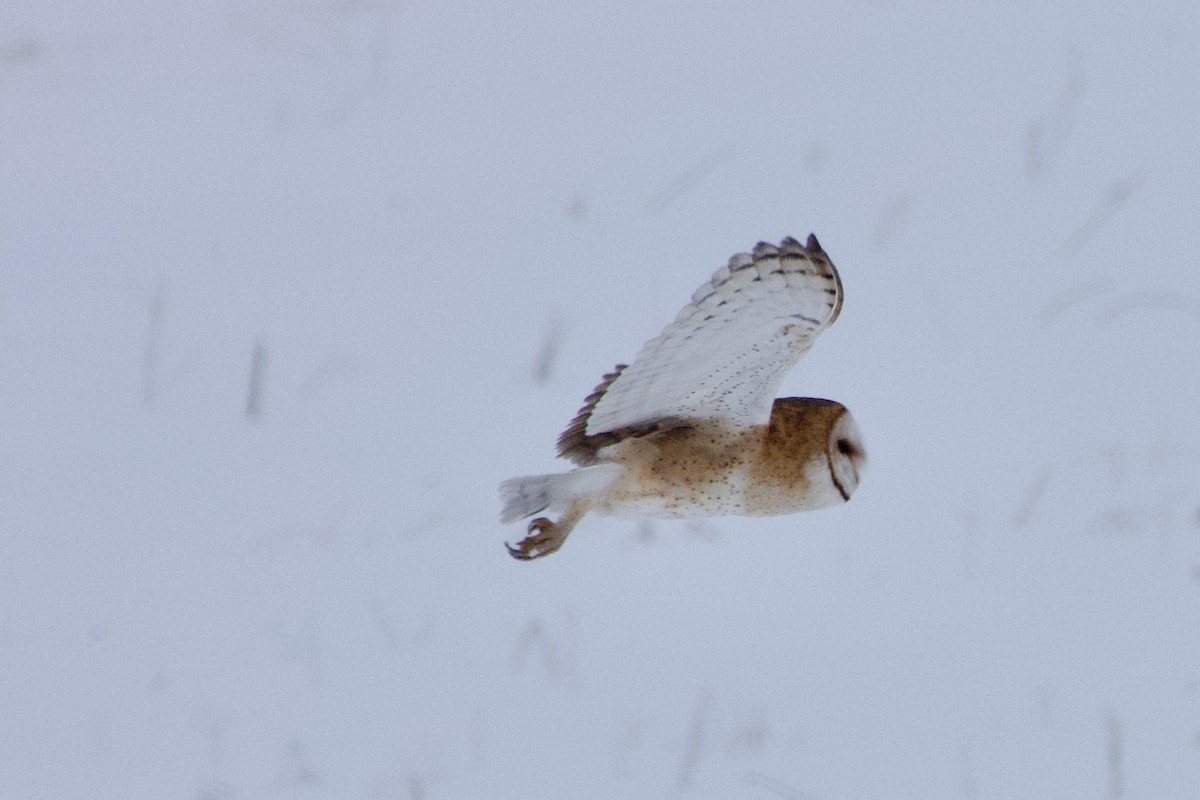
x=725, y=354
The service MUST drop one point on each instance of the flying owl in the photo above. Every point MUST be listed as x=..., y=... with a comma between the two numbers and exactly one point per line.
x=692, y=428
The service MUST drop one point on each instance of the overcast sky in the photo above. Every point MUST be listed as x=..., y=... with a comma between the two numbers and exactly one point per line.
x=288, y=287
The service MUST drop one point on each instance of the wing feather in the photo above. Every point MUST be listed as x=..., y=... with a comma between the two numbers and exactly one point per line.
x=725, y=354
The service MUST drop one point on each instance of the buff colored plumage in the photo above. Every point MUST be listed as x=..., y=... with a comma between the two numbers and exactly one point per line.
x=692, y=428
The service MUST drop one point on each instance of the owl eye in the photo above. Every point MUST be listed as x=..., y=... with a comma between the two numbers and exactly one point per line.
x=846, y=447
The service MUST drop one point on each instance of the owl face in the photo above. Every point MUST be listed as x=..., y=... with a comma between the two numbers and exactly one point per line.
x=846, y=453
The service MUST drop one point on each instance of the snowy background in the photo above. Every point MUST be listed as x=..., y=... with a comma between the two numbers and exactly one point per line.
x=287, y=287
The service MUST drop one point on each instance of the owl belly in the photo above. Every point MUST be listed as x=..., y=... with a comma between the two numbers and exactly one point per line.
x=670, y=497
x=699, y=469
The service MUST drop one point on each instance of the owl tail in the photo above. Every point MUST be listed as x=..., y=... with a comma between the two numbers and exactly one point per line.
x=526, y=496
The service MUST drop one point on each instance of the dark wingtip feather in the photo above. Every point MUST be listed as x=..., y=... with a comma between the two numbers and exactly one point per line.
x=574, y=443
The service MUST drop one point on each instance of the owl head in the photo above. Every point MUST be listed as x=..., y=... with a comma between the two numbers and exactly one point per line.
x=815, y=445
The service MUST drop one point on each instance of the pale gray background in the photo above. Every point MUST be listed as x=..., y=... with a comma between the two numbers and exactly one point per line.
x=440, y=223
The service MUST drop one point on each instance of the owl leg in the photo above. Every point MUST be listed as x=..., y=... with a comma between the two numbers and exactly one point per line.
x=545, y=537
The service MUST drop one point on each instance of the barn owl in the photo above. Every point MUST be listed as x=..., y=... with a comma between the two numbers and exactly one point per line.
x=692, y=428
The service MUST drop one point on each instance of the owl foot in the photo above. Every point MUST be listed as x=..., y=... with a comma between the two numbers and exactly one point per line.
x=544, y=538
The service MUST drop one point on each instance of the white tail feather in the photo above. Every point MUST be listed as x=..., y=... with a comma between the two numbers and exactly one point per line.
x=527, y=495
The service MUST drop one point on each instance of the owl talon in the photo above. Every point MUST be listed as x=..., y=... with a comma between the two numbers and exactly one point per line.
x=544, y=538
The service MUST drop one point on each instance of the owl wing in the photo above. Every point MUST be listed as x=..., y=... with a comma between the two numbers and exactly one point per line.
x=725, y=354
